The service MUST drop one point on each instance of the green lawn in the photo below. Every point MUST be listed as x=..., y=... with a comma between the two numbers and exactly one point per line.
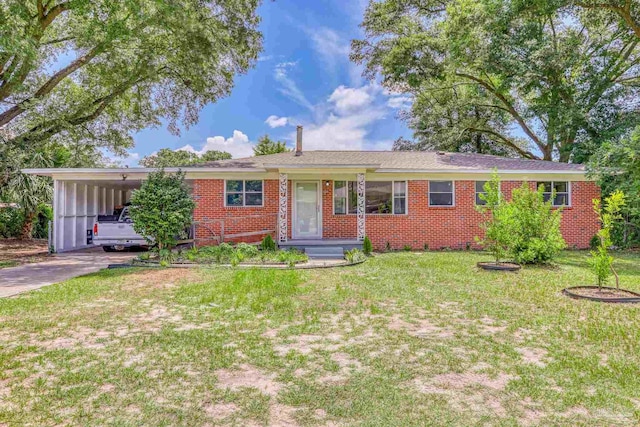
x=404, y=339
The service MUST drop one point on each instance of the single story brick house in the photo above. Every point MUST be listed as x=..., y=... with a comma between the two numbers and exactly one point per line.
x=306, y=198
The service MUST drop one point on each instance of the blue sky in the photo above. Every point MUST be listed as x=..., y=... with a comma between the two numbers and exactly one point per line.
x=303, y=77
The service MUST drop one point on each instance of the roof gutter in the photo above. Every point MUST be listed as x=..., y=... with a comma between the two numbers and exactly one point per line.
x=120, y=171
x=483, y=171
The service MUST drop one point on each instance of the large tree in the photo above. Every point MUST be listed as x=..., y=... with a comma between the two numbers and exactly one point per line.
x=94, y=71
x=535, y=79
x=166, y=158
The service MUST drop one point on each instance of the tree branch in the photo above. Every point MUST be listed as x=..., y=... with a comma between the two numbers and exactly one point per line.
x=623, y=12
x=509, y=107
x=524, y=153
x=48, y=86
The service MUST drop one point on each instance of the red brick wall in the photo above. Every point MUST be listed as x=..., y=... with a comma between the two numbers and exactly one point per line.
x=437, y=227
x=210, y=209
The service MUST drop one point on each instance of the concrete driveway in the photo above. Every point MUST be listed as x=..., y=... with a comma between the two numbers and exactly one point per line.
x=58, y=268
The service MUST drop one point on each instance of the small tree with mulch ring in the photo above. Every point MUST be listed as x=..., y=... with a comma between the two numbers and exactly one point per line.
x=601, y=262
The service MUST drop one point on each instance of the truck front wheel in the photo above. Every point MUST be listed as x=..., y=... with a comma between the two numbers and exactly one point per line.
x=108, y=248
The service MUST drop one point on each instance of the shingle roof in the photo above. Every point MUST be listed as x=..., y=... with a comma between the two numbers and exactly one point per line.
x=401, y=160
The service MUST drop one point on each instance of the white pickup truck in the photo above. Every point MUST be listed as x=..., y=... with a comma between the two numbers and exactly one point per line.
x=115, y=232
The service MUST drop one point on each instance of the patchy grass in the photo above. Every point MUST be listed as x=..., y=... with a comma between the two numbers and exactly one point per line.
x=404, y=339
x=15, y=252
x=8, y=263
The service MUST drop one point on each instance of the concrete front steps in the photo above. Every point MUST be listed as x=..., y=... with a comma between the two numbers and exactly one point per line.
x=323, y=249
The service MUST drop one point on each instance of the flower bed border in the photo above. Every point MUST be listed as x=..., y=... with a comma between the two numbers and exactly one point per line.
x=629, y=300
x=492, y=266
x=300, y=265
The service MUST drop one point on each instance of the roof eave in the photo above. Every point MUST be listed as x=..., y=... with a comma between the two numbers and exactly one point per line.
x=120, y=171
x=483, y=171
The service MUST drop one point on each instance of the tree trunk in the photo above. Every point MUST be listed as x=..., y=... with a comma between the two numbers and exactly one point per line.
x=27, y=225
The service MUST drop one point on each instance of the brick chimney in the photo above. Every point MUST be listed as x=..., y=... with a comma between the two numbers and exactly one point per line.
x=299, y=141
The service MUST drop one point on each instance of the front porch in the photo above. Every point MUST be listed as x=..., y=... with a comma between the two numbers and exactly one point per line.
x=322, y=248
x=306, y=214
x=301, y=244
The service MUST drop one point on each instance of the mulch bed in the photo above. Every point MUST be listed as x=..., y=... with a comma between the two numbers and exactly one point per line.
x=607, y=294
x=503, y=266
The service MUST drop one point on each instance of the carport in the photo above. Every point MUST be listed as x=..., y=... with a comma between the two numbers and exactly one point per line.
x=80, y=195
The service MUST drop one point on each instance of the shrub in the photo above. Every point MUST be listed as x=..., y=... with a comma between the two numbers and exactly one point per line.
x=268, y=244
x=144, y=256
x=601, y=262
x=44, y=214
x=387, y=247
x=426, y=247
x=162, y=209
x=247, y=250
x=166, y=255
x=354, y=255
x=407, y=248
x=498, y=220
x=11, y=220
x=367, y=247
x=594, y=242
x=535, y=231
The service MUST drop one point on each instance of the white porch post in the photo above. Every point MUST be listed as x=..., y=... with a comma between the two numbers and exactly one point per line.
x=361, y=207
x=282, y=208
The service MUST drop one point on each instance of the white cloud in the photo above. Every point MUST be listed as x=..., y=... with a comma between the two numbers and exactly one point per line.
x=238, y=145
x=345, y=121
x=288, y=87
x=276, y=122
x=347, y=98
x=265, y=58
x=333, y=49
x=330, y=46
x=400, y=102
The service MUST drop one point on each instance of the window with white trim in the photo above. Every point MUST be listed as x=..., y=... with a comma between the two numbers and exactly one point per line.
x=558, y=189
x=381, y=197
x=479, y=191
x=240, y=192
x=441, y=193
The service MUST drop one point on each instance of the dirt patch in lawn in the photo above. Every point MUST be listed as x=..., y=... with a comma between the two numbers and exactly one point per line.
x=23, y=251
x=82, y=337
x=473, y=391
x=534, y=356
x=220, y=411
x=307, y=344
x=247, y=376
x=164, y=278
x=421, y=328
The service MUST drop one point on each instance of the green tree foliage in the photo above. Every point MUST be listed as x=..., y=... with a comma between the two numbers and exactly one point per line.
x=536, y=236
x=266, y=145
x=133, y=64
x=532, y=79
x=162, y=209
x=601, y=262
x=367, y=246
x=616, y=166
x=268, y=244
x=166, y=158
x=499, y=220
x=31, y=192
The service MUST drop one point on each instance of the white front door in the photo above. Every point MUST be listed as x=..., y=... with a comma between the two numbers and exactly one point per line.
x=307, y=211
